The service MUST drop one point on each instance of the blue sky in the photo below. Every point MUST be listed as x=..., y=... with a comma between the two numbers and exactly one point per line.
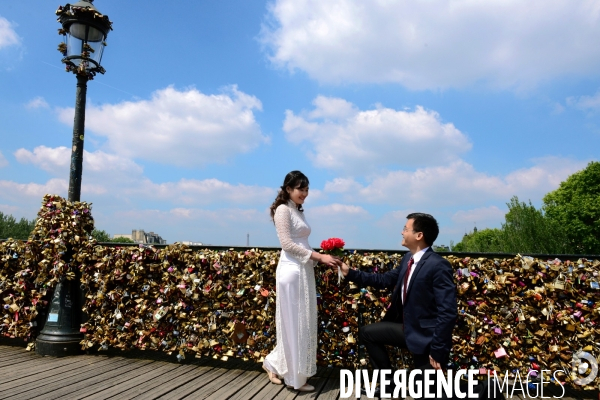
x=442, y=106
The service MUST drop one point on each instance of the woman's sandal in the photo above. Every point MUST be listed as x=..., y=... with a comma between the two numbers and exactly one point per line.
x=304, y=388
x=272, y=376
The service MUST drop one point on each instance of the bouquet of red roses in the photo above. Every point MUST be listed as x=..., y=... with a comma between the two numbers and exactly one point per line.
x=335, y=247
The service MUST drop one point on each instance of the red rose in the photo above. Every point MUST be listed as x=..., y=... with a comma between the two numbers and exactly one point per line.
x=338, y=243
x=335, y=247
x=332, y=244
x=327, y=245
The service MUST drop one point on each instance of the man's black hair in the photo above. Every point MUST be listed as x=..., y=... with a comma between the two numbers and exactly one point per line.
x=426, y=224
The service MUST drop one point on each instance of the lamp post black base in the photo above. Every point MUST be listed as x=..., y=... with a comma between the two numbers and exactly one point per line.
x=61, y=335
x=58, y=346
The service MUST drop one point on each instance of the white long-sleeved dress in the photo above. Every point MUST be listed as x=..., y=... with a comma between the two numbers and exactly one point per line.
x=295, y=355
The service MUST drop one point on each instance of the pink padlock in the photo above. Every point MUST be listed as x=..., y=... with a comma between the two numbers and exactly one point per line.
x=500, y=352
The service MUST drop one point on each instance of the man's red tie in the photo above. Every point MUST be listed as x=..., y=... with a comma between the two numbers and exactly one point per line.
x=410, y=263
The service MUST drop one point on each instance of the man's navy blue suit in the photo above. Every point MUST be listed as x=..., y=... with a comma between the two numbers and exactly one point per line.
x=429, y=311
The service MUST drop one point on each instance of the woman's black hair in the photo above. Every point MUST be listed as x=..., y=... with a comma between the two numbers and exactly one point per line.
x=293, y=180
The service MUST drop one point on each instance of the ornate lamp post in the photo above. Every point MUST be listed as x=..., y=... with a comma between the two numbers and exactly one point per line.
x=84, y=29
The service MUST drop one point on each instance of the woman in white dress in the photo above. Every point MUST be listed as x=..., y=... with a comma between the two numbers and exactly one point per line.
x=294, y=358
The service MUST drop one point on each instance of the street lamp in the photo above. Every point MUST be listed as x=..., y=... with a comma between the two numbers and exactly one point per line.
x=84, y=29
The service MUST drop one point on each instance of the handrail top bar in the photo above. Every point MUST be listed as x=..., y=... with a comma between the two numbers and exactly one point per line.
x=385, y=251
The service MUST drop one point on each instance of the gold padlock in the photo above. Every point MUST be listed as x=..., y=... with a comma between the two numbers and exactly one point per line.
x=560, y=282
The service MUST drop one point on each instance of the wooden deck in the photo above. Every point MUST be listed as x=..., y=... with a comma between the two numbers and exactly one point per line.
x=26, y=375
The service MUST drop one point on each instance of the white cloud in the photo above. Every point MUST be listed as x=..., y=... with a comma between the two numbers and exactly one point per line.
x=3, y=160
x=101, y=162
x=435, y=44
x=352, y=140
x=314, y=195
x=337, y=211
x=47, y=158
x=342, y=185
x=15, y=190
x=184, y=128
x=586, y=103
x=57, y=160
x=7, y=209
x=226, y=226
x=482, y=216
x=207, y=191
x=222, y=216
x=38, y=102
x=105, y=173
x=8, y=37
x=393, y=221
x=346, y=221
x=460, y=184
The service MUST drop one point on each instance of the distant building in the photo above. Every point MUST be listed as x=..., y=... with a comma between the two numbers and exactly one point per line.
x=192, y=243
x=141, y=236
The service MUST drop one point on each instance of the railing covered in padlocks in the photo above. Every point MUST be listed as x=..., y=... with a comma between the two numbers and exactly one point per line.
x=515, y=312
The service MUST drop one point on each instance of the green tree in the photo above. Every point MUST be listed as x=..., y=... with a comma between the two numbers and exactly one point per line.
x=11, y=228
x=121, y=239
x=525, y=230
x=575, y=205
x=482, y=241
x=529, y=230
x=101, y=236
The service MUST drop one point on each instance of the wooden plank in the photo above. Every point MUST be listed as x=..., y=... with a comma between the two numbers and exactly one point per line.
x=131, y=389
x=20, y=362
x=89, y=376
x=12, y=351
x=250, y=390
x=164, y=388
x=318, y=382
x=93, y=391
x=102, y=380
x=331, y=389
x=36, y=380
x=135, y=379
x=270, y=391
x=31, y=367
x=286, y=394
x=14, y=363
x=193, y=385
x=226, y=377
x=5, y=348
x=55, y=379
x=7, y=358
x=30, y=360
x=229, y=390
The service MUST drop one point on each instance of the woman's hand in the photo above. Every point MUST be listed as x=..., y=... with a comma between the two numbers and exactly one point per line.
x=330, y=261
x=327, y=259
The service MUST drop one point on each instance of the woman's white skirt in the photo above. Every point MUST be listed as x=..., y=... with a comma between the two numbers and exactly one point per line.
x=284, y=360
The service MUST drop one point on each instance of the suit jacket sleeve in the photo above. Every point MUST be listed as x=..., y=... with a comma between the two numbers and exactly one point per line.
x=444, y=290
x=375, y=280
